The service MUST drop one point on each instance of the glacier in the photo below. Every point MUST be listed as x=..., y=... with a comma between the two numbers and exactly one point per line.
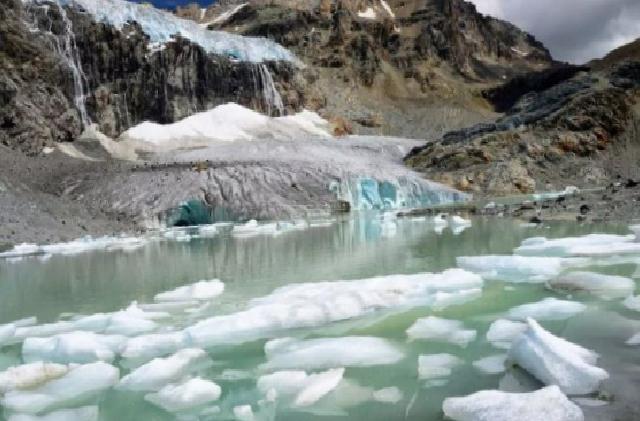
x=161, y=27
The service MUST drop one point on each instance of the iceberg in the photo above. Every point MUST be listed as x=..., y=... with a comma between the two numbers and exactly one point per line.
x=199, y=291
x=443, y=330
x=494, y=364
x=547, y=309
x=541, y=246
x=85, y=413
x=607, y=287
x=518, y=269
x=548, y=404
x=74, y=347
x=188, y=395
x=321, y=303
x=556, y=361
x=162, y=26
x=324, y=353
x=298, y=387
x=29, y=376
x=79, y=384
x=502, y=333
x=437, y=366
x=160, y=372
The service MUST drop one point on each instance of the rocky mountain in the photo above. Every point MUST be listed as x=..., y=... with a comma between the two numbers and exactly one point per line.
x=565, y=126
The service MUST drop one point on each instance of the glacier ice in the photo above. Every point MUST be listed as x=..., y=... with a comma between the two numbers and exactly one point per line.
x=494, y=364
x=74, y=347
x=437, y=366
x=185, y=396
x=568, y=246
x=323, y=353
x=162, y=26
x=502, y=333
x=556, y=361
x=443, y=330
x=549, y=404
x=202, y=290
x=607, y=287
x=159, y=372
x=320, y=303
x=518, y=268
x=80, y=383
x=298, y=387
x=547, y=309
x=29, y=376
x=85, y=413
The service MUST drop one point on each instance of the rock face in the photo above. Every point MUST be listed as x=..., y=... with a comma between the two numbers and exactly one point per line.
x=580, y=131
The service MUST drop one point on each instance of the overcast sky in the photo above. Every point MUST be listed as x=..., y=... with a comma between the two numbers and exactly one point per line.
x=574, y=30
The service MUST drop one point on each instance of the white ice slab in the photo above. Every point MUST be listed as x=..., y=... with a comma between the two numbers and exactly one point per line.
x=299, y=388
x=200, y=291
x=607, y=287
x=85, y=413
x=192, y=393
x=437, y=366
x=503, y=332
x=494, y=364
x=547, y=309
x=29, y=376
x=323, y=353
x=518, y=269
x=541, y=246
x=441, y=330
x=74, y=347
x=548, y=404
x=556, y=361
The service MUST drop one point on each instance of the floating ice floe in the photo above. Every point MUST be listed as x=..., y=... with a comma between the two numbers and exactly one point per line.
x=160, y=372
x=634, y=340
x=502, y=333
x=556, y=361
x=298, y=387
x=29, y=376
x=253, y=228
x=390, y=395
x=323, y=353
x=548, y=309
x=541, y=246
x=85, y=413
x=631, y=302
x=494, y=364
x=145, y=347
x=199, y=291
x=321, y=303
x=192, y=393
x=548, y=404
x=81, y=245
x=80, y=383
x=443, y=330
x=519, y=268
x=74, y=347
x=607, y=287
x=437, y=366
x=243, y=413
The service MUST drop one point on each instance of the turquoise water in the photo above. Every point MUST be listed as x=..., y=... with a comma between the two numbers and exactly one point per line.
x=351, y=249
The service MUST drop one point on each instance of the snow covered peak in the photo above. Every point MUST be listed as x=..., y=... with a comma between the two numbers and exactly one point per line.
x=161, y=26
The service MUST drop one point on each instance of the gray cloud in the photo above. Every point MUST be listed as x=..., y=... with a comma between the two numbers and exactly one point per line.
x=574, y=30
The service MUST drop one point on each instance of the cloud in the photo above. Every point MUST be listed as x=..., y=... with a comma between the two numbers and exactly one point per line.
x=574, y=30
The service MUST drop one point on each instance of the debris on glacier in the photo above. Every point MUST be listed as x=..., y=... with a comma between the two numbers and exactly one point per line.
x=556, y=361
x=324, y=353
x=549, y=404
x=607, y=287
x=80, y=383
x=443, y=330
x=547, y=309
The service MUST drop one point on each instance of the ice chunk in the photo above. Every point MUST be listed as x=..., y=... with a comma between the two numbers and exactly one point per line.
x=541, y=246
x=317, y=304
x=458, y=221
x=519, y=268
x=184, y=396
x=322, y=353
x=634, y=340
x=80, y=383
x=503, y=332
x=548, y=404
x=143, y=348
x=201, y=291
x=40, y=331
x=253, y=228
x=317, y=386
x=75, y=347
x=299, y=387
x=607, y=287
x=369, y=13
x=491, y=365
x=547, y=309
x=85, y=413
x=159, y=372
x=243, y=413
x=632, y=303
x=29, y=376
x=443, y=330
x=391, y=395
x=7, y=333
x=555, y=361
x=437, y=366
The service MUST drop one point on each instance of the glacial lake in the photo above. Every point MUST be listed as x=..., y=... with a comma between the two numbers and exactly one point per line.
x=62, y=286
